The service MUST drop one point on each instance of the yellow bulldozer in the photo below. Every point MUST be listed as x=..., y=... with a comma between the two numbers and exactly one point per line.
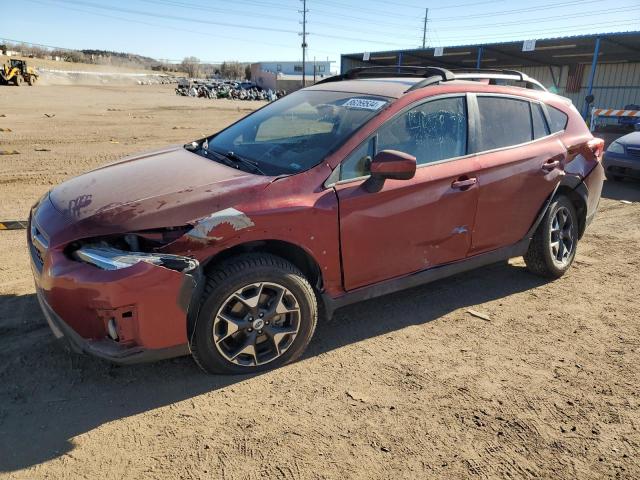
x=15, y=72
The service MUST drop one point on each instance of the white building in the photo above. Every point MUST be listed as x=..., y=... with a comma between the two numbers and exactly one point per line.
x=288, y=75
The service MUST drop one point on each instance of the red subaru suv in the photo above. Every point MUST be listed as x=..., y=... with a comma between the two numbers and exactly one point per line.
x=366, y=183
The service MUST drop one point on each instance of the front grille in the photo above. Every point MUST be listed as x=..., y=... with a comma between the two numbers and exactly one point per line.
x=38, y=245
x=634, y=151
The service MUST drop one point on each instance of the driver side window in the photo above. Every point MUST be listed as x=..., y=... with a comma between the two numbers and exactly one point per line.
x=433, y=131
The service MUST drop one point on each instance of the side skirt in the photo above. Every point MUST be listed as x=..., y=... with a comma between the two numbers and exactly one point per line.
x=424, y=276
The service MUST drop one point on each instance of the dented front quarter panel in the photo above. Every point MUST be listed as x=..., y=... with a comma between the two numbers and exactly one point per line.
x=294, y=209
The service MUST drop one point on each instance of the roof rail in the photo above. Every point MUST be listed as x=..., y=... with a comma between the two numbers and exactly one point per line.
x=391, y=71
x=491, y=73
x=433, y=75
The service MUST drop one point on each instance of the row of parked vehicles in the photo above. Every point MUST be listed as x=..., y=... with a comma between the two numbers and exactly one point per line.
x=226, y=89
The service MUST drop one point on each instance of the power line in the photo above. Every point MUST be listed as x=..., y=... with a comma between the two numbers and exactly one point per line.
x=197, y=20
x=377, y=13
x=174, y=17
x=400, y=4
x=141, y=22
x=362, y=15
x=279, y=18
x=174, y=3
x=395, y=36
x=518, y=10
x=369, y=11
x=520, y=35
x=461, y=4
x=545, y=19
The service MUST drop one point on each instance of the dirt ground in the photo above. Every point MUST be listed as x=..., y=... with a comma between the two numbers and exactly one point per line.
x=405, y=386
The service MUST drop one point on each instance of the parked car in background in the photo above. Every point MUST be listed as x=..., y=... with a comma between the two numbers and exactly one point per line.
x=622, y=158
x=361, y=185
x=631, y=122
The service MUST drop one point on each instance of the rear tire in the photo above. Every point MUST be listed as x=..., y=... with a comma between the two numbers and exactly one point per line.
x=553, y=246
x=258, y=312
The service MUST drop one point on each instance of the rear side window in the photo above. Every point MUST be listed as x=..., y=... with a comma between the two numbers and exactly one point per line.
x=557, y=119
x=503, y=122
x=540, y=128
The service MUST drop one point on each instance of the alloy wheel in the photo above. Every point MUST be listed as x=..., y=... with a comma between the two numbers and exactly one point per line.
x=256, y=324
x=562, y=236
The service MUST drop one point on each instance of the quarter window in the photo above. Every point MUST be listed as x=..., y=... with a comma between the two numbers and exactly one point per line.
x=540, y=128
x=357, y=164
x=557, y=119
x=503, y=122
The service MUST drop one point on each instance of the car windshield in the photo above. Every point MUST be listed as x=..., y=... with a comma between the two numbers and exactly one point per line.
x=294, y=133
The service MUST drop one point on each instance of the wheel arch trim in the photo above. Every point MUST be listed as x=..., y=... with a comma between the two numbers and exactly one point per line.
x=296, y=254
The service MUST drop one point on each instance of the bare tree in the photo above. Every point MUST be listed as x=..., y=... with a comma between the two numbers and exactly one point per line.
x=191, y=65
x=232, y=70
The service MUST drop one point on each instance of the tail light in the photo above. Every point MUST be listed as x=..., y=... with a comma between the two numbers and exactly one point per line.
x=596, y=145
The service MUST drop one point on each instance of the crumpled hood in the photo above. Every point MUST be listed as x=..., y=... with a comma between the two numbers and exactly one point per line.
x=168, y=187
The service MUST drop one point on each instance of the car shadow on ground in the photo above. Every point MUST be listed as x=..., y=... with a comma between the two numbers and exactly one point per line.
x=48, y=396
x=628, y=190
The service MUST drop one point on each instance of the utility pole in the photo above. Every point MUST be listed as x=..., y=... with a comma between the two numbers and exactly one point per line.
x=424, y=30
x=304, y=40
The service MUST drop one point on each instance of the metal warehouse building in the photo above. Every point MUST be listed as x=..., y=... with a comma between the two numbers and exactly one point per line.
x=606, y=65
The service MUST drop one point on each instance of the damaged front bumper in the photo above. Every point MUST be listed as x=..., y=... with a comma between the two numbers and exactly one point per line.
x=134, y=313
x=130, y=315
x=105, y=348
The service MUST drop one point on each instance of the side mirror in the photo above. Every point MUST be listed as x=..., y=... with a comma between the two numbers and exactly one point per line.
x=390, y=164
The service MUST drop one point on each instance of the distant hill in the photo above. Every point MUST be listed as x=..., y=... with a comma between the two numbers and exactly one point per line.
x=128, y=57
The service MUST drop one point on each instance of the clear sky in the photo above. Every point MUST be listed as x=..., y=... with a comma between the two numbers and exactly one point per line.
x=254, y=30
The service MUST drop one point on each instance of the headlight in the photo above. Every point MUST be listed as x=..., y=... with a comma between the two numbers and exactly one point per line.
x=616, y=147
x=109, y=258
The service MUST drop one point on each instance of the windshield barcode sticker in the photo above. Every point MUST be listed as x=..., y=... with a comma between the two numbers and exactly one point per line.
x=364, y=103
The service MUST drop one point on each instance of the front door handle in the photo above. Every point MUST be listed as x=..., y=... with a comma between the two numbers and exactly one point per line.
x=464, y=183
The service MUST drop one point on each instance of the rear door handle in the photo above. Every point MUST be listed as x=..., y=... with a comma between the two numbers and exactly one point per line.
x=464, y=183
x=552, y=163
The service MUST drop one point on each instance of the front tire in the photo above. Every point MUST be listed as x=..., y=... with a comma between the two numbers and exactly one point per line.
x=553, y=246
x=18, y=80
x=258, y=312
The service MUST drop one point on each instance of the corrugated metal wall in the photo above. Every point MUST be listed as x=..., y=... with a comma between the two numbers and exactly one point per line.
x=615, y=84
